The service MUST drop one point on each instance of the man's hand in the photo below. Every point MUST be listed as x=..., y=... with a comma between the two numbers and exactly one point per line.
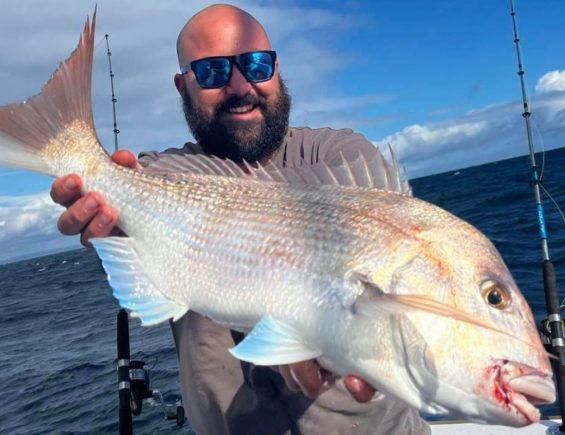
x=87, y=214
x=312, y=380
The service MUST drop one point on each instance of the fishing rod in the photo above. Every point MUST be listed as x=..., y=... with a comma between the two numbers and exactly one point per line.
x=114, y=99
x=134, y=384
x=124, y=385
x=554, y=323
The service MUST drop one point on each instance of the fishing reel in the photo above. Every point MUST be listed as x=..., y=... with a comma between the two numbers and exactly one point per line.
x=545, y=334
x=140, y=391
x=134, y=385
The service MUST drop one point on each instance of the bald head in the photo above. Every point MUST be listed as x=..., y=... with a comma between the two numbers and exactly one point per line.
x=220, y=30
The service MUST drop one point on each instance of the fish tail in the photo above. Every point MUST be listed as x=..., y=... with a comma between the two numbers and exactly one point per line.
x=53, y=131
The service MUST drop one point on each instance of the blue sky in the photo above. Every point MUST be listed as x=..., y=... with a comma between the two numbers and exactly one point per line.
x=436, y=79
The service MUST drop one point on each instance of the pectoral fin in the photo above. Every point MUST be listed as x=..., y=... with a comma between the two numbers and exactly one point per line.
x=132, y=287
x=374, y=301
x=273, y=342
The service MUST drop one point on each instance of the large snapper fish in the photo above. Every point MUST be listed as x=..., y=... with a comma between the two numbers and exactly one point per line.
x=370, y=282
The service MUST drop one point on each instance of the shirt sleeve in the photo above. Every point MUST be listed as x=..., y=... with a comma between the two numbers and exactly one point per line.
x=146, y=158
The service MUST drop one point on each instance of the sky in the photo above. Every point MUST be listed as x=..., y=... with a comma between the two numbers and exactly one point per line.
x=437, y=79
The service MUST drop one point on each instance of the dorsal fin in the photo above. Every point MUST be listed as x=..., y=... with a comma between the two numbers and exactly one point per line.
x=368, y=170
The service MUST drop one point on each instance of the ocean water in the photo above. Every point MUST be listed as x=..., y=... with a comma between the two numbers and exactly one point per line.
x=58, y=318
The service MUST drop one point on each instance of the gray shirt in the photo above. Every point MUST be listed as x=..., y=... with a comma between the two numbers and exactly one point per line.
x=222, y=395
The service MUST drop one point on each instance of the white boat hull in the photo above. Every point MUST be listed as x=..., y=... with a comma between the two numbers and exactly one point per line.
x=449, y=427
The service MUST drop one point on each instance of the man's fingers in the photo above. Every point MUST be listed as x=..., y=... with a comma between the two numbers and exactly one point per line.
x=66, y=190
x=310, y=378
x=307, y=375
x=101, y=225
x=359, y=389
x=125, y=158
x=289, y=379
x=79, y=214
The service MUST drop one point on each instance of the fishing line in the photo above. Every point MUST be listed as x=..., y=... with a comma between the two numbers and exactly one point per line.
x=540, y=137
x=554, y=202
x=155, y=362
x=562, y=304
x=98, y=43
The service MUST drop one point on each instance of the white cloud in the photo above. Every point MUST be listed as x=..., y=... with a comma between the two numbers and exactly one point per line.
x=413, y=137
x=32, y=214
x=488, y=134
x=28, y=224
x=551, y=81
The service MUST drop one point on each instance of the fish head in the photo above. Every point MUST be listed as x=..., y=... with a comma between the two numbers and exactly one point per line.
x=467, y=339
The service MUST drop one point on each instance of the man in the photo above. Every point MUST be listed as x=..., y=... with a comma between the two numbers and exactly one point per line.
x=237, y=107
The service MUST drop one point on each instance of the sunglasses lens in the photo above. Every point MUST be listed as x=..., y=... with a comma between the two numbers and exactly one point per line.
x=212, y=73
x=257, y=66
x=215, y=72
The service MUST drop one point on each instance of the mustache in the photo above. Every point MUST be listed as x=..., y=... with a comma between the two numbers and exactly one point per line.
x=238, y=101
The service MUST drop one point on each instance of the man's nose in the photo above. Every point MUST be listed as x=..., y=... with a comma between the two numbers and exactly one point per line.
x=238, y=84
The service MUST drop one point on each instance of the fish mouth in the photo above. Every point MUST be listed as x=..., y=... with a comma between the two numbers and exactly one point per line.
x=518, y=387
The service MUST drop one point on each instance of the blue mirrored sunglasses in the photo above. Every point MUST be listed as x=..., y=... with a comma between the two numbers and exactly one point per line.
x=215, y=72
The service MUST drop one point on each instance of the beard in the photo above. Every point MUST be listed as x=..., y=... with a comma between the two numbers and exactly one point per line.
x=240, y=140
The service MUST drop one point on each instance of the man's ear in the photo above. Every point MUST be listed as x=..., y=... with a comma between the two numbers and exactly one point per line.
x=179, y=82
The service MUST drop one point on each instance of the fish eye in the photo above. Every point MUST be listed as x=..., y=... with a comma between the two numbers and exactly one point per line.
x=495, y=295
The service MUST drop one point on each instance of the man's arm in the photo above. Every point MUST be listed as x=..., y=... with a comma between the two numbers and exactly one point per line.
x=91, y=216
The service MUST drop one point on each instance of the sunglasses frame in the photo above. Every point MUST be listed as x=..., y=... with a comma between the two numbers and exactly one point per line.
x=233, y=60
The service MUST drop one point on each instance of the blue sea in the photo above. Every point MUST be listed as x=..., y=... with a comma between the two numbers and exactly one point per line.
x=58, y=318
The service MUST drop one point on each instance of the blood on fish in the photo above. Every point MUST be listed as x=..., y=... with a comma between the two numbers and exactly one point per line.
x=499, y=393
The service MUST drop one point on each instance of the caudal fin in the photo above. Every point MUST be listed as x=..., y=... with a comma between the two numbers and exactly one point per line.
x=34, y=132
